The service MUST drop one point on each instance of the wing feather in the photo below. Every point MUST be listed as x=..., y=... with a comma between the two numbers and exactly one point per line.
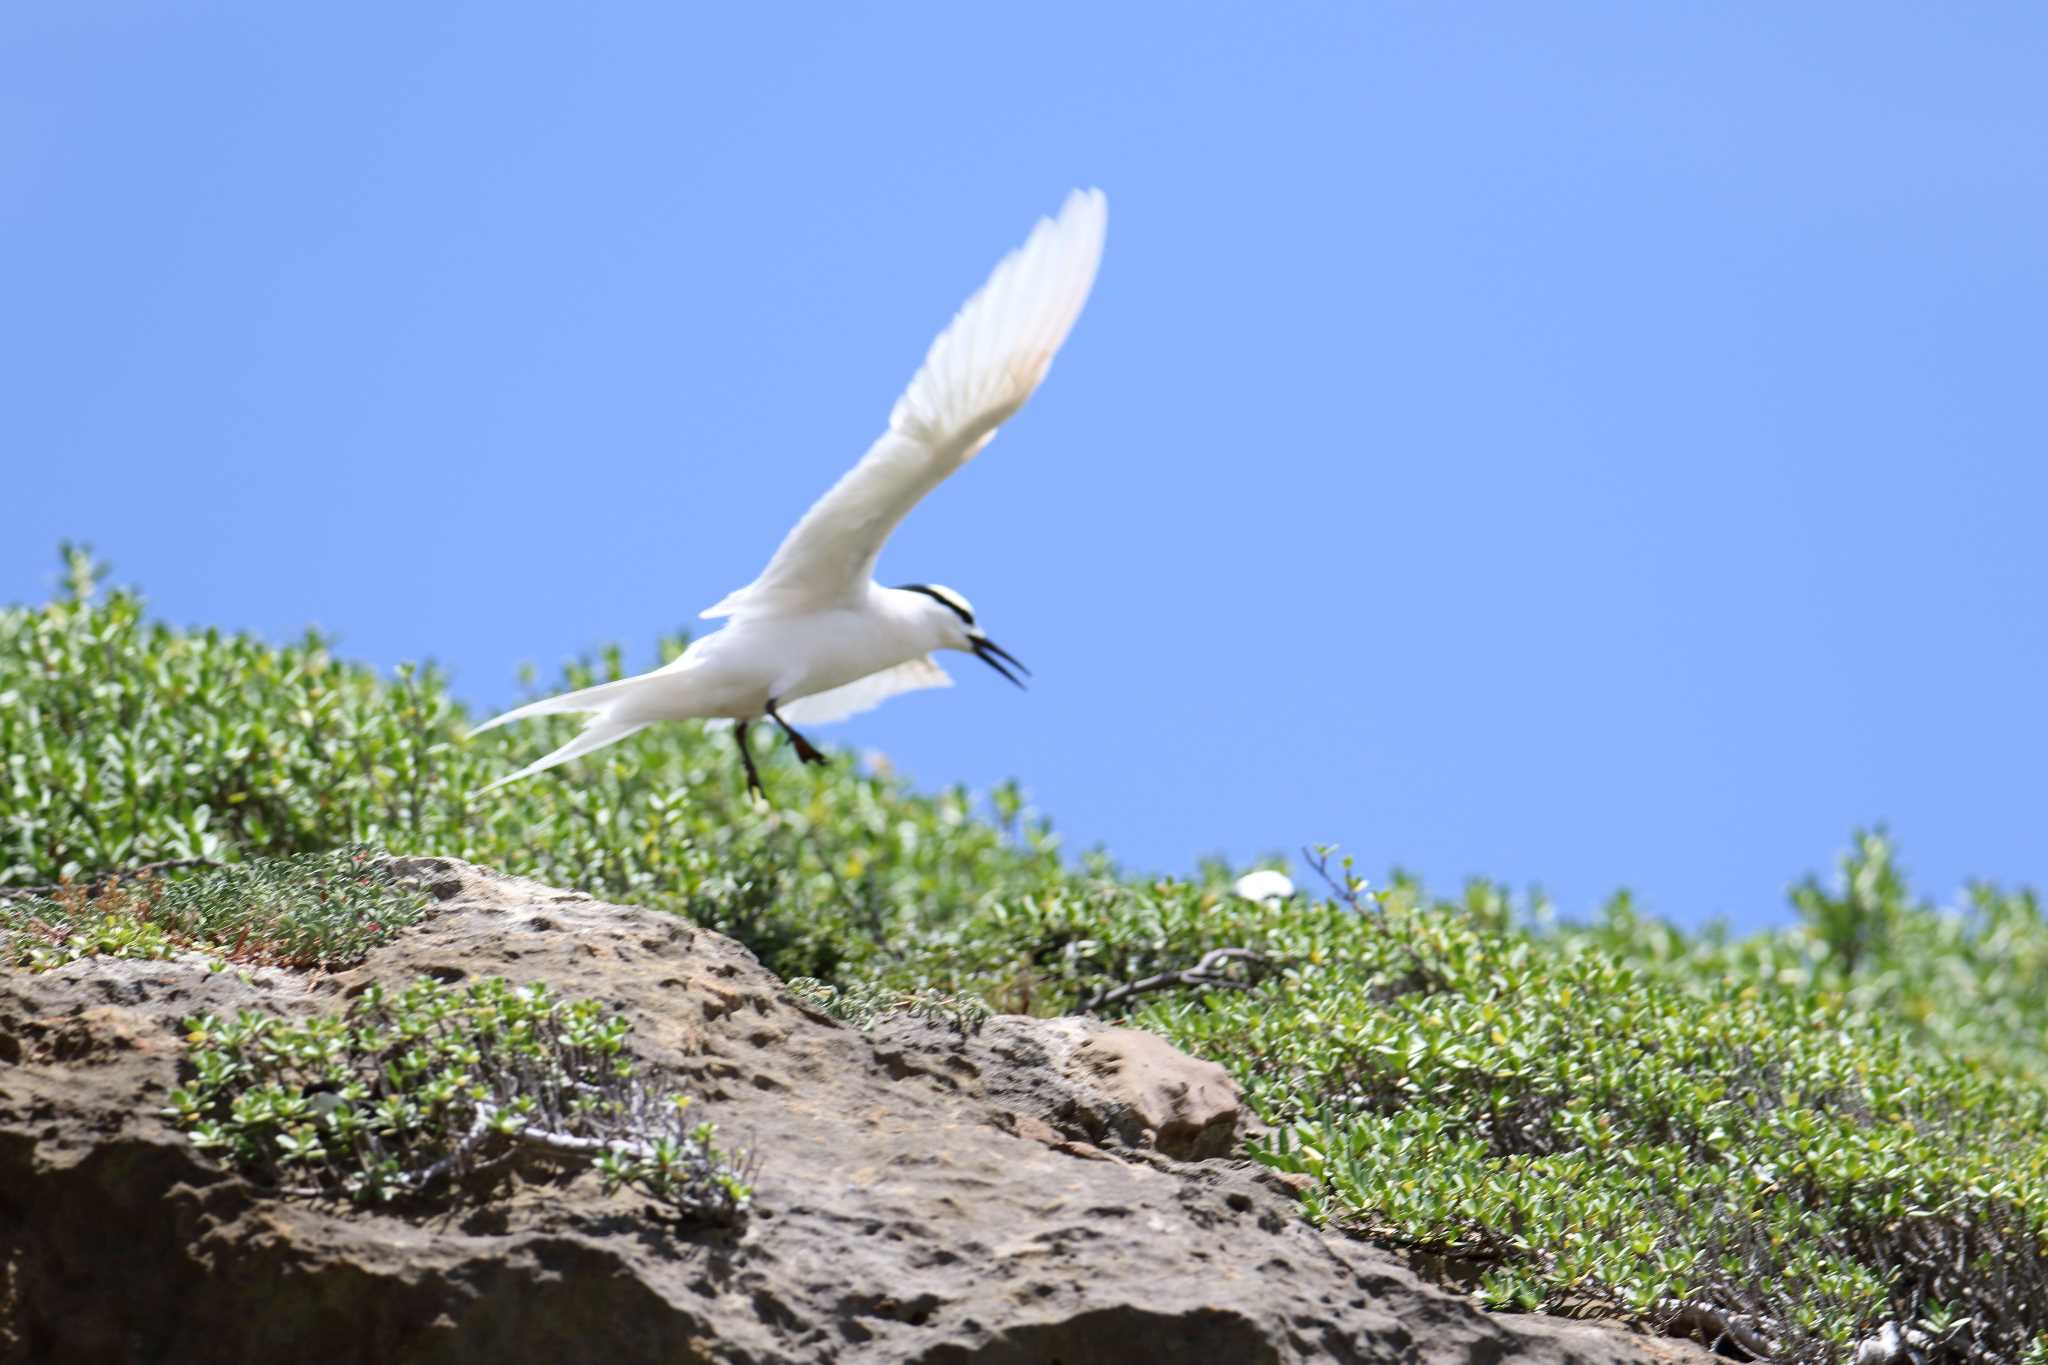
x=978, y=372
x=865, y=694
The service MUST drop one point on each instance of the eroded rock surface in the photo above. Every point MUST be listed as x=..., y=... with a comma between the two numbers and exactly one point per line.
x=1018, y=1194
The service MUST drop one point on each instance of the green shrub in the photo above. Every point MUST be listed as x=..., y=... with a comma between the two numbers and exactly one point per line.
x=1805, y=1139
x=1559, y=1126
x=1972, y=981
x=1577, y=1135
x=127, y=742
x=411, y=1095
x=309, y=909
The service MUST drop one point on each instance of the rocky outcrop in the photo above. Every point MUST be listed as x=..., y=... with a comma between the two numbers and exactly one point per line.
x=1035, y=1191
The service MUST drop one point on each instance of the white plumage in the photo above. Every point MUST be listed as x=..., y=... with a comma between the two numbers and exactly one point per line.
x=865, y=694
x=1265, y=884
x=814, y=639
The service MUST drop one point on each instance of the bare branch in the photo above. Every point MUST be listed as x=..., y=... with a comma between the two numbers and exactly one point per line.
x=1716, y=1325
x=1341, y=885
x=1210, y=971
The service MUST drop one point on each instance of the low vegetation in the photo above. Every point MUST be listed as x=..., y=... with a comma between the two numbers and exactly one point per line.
x=1562, y=1129
x=864, y=1006
x=1825, y=1139
x=410, y=1096
x=305, y=910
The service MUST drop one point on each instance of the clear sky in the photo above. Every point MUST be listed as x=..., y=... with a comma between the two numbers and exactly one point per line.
x=1589, y=444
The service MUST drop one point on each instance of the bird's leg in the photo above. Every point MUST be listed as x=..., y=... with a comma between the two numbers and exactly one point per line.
x=805, y=750
x=739, y=732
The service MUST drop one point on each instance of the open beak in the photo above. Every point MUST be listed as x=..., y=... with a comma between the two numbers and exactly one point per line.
x=990, y=653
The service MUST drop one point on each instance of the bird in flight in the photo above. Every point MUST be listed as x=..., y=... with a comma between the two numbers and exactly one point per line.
x=815, y=639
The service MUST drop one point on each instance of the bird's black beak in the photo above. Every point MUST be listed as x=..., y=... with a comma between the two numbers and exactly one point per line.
x=989, y=652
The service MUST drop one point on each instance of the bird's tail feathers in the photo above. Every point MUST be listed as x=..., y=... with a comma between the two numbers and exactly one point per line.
x=585, y=699
x=601, y=730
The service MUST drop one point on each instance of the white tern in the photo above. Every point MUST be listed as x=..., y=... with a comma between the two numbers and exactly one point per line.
x=815, y=639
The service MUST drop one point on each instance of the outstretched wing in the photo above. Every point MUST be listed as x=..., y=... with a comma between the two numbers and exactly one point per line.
x=979, y=371
x=865, y=694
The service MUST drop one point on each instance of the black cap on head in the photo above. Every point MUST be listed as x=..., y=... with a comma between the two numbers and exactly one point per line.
x=951, y=600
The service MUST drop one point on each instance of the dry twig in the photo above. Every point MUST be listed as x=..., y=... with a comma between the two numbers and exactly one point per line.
x=1212, y=970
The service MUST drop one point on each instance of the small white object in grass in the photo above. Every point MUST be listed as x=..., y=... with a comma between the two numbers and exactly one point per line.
x=1264, y=885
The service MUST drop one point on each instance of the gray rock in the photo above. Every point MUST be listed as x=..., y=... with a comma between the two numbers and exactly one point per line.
x=922, y=1194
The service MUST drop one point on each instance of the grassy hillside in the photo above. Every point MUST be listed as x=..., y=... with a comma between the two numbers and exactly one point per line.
x=1802, y=1139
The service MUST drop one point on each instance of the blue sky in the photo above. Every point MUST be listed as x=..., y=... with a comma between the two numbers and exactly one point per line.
x=1592, y=445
